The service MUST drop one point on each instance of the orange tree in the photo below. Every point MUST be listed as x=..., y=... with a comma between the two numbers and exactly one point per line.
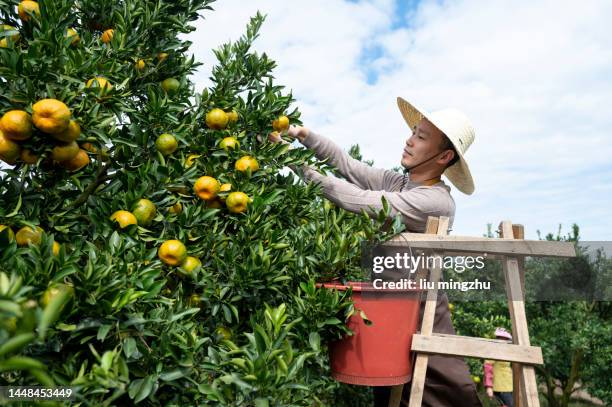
x=151, y=250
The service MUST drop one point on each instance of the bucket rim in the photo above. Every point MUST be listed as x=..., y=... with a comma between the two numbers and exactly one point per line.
x=363, y=286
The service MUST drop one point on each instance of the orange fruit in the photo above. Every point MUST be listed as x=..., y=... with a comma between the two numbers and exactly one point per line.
x=56, y=248
x=140, y=65
x=194, y=300
x=451, y=306
x=16, y=125
x=162, y=56
x=246, y=162
x=476, y=379
x=216, y=119
x=172, y=252
x=9, y=150
x=6, y=234
x=99, y=82
x=223, y=332
x=14, y=32
x=4, y=43
x=70, y=134
x=176, y=209
x=27, y=235
x=206, y=188
x=65, y=151
x=89, y=147
x=53, y=291
x=281, y=124
x=170, y=85
x=232, y=116
x=237, y=202
x=225, y=188
x=27, y=9
x=144, y=211
x=124, y=218
x=190, y=159
x=229, y=143
x=107, y=35
x=77, y=162
x=73, y=36
x=215, y=203
x=166, y=144
x=51, y=116
x=28, y=157
x=190, y=265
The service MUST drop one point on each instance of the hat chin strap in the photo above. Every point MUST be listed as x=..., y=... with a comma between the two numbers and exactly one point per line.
x=408, y=169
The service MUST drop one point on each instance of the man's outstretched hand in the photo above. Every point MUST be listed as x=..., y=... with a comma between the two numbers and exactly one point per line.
x=294, y=132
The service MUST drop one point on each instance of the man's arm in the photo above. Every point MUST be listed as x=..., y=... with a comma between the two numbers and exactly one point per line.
x=356, y=172
x=414, y=205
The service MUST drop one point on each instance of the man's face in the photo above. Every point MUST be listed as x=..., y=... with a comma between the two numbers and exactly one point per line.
x=424, y=142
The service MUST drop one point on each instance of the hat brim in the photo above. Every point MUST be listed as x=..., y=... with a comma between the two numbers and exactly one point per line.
x=458, y=174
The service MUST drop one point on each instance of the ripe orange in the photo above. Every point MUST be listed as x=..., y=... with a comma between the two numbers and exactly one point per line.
x=216, y=119
x=107, y=35
x=51, y=116
x=16, y=125
x=144, y=211
x=237, y=202
x=64, y=151
x=172, y=252
x=28, y=157
x=176, y=209
x=206, y=188
x=190, y=265
x=9, y=150
x=140, y=65
x=246, y=162
x=99, y=82
x=27, y=9
x=27, y=235
x=229, y=143
x=232, y=116
x=4, y=43
x=124, y=218
x=6, y=234
x=225, y=188
x=170, y=85
x=56, y=248
x=166, y=144
x=162, y=56
x=281, y=124
x=70, y=134
x=89, y=147
x=54, y=290
x=77, y=162
x=190, y=159
x=73, y=36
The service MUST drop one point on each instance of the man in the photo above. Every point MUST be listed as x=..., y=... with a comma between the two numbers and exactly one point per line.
x=436, y=146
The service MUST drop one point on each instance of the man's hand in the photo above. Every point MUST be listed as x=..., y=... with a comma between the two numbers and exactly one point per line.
x=490, y=392
x=294, y=132
x=297, y=132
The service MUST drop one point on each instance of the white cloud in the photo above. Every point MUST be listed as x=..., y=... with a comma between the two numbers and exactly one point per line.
x=532, y=75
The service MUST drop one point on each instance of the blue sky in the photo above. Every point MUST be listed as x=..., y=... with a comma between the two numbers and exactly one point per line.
x=537, y=89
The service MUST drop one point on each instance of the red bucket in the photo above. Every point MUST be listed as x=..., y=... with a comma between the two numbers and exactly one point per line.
x=378, y=354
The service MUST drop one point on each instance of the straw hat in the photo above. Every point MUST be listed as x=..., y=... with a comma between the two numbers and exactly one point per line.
x=457, y=127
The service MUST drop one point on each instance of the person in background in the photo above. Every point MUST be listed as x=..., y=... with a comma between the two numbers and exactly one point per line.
x=498, y=375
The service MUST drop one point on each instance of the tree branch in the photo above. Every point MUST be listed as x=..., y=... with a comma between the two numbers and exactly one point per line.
x=101, y=176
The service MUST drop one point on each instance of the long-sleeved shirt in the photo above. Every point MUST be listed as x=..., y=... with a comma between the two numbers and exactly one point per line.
x=365, y=187
x=498, y=374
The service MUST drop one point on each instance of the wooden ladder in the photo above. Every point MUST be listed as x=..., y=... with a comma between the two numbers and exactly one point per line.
x=522, y=355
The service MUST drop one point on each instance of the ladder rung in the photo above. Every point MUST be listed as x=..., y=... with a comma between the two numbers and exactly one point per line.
x=455, y=345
